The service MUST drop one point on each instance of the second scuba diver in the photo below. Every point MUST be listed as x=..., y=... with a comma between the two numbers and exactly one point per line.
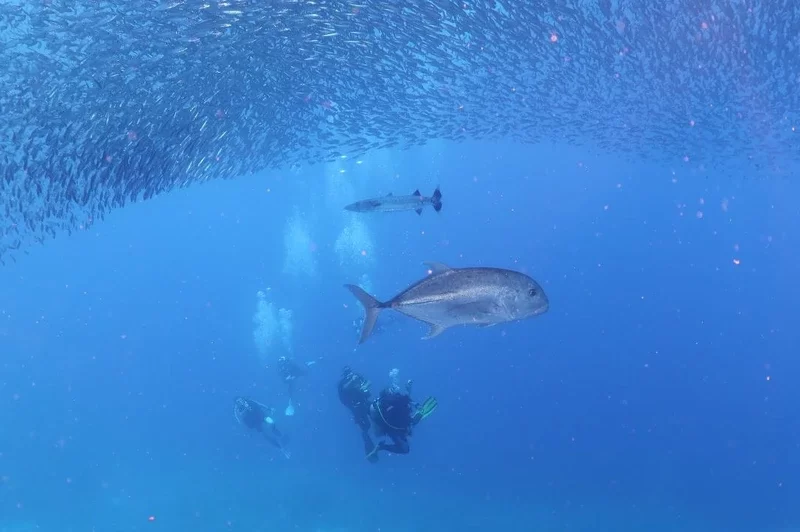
x=256, y=416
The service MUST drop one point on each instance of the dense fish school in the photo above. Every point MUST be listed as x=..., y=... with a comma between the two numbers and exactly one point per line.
x=106, y=102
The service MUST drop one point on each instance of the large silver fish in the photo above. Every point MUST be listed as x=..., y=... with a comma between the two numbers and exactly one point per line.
x=460, y=296
x=390, y=203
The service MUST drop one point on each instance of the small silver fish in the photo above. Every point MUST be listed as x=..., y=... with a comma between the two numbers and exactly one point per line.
x=460, y=296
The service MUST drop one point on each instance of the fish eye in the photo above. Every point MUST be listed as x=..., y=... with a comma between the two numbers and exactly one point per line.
x=532, y=292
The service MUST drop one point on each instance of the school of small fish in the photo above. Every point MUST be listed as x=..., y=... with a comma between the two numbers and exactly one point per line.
x=107, y=102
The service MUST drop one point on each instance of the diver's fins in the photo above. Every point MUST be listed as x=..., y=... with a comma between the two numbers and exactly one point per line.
x=427, y=408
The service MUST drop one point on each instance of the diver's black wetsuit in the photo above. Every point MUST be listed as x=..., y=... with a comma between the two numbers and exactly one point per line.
x=254, y=416
x=290, y=371
x=354, y=394
x=391, y=416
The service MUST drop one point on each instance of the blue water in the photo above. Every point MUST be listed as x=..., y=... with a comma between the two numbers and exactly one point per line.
x=656, y=394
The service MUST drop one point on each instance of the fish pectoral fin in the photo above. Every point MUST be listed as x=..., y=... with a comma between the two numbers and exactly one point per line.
x=418, y=211
x=437, y=267
x=435, y=330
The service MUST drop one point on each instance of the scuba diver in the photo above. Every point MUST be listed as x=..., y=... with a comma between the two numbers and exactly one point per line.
x=258, y=417
x=392, y=415
x=290, y=370
x=354, y=394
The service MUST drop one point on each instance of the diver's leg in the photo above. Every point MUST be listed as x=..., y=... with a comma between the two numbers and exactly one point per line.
x=399, y=445
x=273, y=439
x=370, y=448
x=363, y=423
x=369, y=445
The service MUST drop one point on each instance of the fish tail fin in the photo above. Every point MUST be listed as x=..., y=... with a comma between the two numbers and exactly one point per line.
x=437, y=200
x=372, y=307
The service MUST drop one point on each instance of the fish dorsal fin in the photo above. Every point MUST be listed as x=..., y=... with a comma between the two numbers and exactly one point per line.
x=437, y=267
x=416, y=193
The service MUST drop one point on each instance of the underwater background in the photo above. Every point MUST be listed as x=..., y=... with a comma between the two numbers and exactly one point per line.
x=173, y=176
x=656, y=394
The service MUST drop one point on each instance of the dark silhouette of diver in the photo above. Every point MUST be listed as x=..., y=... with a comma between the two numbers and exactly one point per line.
x=392, y=415
x=256, y=416
x=354, y=394
x=290, y=371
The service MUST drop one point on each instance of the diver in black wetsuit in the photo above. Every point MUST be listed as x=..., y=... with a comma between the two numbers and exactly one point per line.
x=290, y=371
x=354, y=394
x=258, y=417
x=392, y=415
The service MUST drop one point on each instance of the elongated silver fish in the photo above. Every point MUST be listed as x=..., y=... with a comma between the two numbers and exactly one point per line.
x=460, y=296
x=390, y=203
